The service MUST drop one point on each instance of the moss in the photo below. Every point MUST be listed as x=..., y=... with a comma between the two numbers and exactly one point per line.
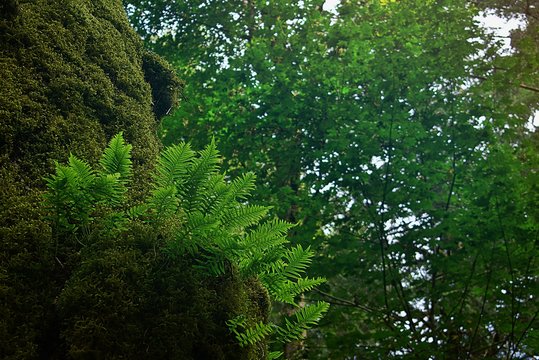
x=73, y=75
x=128, y=299
x=165, y=86
x=9, y=9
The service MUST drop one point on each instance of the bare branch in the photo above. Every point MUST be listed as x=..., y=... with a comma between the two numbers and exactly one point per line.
x=522, y=85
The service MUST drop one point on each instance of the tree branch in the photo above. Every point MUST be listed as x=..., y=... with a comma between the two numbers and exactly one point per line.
x=521, y=85
x=346, y=302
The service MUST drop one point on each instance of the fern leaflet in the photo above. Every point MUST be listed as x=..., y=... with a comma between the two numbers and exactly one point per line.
x=173, y=164
x=116, y=158
x=303, y=320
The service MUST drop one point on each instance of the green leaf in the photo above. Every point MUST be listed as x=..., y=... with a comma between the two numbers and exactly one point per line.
x=116, y=158
x=303, y=319
x=173, y=165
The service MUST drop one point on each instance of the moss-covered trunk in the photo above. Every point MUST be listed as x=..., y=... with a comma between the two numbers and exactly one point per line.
x=73, y=74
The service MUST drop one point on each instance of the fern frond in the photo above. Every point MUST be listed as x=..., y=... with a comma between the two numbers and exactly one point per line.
x=275, y=355
x=69, y=196
x=117, y=158
x=239, y=218
x=251, y=336
x=288, y=290
x=137, y=211
x=271, y=282
x=223, y=195
x=164, y=202
x=83, y=172
x=108, y=189
x=198, y=222
x=267, y=235
x=77, y=196
x=216, y=195
x=173, y=165
x=298, y=260
x=198, y=174
x=238, y=321
x=56, y=183
x=206, y=164
x=213, y=265
x=242, y=186
x=266, y=263
x=303, y=320
x=57, y=197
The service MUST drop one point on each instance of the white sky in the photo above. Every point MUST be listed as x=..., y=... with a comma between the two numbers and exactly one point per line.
x=330, y=4
x=500, y=27
x=494, y=24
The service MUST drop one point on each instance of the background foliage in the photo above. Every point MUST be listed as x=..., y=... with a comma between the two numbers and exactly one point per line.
x=398, y=135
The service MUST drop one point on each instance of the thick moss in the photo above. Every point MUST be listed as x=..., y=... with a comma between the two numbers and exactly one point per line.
x=127, y=299
x=164, y=84
x=73, y=74
x=72, y=77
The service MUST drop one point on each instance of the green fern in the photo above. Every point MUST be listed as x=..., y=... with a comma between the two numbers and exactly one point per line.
x=173, y=164
x=275, y=355
x=287, y=290
x=197, y=212
x=281, y=274
x=217, y=197
x=83, y=173
x=108, y=189
x=238, y=218
x=303, y=319
x=163, y=202
x=249, y=335
x=116, y=159
x=242, y=186
x=137, y=211
x=265, y=234
x=199, y=173
x=70, y=196
x=76, y=190
x=298, y=260
x=262, y=247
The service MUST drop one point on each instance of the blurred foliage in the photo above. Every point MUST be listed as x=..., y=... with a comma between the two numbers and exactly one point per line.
x=390, y=131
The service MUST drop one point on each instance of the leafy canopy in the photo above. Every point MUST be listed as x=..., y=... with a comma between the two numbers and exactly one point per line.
x=396, y=133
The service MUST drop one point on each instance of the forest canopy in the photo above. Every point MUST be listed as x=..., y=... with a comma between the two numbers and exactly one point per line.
x=401, y=138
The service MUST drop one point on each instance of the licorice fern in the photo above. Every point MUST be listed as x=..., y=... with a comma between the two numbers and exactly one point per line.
x=249, y=335
x=76, y=191
x=197, y=211
x=303, y=319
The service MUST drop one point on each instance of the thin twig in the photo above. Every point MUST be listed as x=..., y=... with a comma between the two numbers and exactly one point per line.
x=521, y=85
x=525, y=331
